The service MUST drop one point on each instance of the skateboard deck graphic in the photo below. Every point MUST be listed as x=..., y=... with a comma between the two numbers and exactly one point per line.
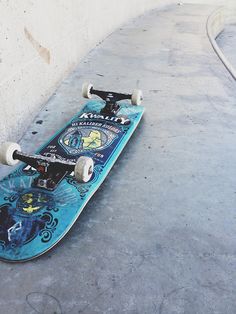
x=33, y=219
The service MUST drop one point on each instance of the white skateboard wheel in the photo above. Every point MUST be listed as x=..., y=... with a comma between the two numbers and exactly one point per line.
x=86, y=88
x=137, y=97
x=84, y=169
x=6, y=153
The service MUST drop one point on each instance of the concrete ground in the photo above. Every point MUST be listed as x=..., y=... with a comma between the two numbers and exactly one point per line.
x=227, y=43
x=159, y=235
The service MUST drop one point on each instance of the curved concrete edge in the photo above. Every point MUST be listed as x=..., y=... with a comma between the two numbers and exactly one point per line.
x=215, y=25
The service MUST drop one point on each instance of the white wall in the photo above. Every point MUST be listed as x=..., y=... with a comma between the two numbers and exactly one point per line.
x=41, y=41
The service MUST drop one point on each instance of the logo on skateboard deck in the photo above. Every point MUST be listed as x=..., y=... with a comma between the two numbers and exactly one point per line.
x=31, y=202
x=82, y=138
x=118, y=119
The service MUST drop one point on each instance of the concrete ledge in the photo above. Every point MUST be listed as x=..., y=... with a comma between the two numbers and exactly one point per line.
x=215, y=25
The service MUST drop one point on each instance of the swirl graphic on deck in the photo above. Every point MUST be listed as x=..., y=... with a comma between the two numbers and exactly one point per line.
x=80, y=139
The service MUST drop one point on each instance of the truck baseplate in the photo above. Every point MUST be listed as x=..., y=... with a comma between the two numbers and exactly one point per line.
x=111, y=98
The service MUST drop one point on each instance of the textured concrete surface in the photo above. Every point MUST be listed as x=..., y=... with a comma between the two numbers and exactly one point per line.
x=159, y=235
x=227, y=43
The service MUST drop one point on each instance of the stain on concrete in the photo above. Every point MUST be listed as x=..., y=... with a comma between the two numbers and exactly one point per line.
x=42, y=51
x=43, y=303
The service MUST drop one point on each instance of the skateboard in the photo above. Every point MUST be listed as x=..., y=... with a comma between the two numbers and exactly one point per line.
x=43, y=197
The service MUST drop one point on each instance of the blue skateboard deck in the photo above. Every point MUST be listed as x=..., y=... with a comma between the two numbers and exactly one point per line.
x=32, y=219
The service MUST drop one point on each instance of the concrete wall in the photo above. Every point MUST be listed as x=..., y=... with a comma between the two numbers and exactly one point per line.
x=42, y=41
x=226, y=3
